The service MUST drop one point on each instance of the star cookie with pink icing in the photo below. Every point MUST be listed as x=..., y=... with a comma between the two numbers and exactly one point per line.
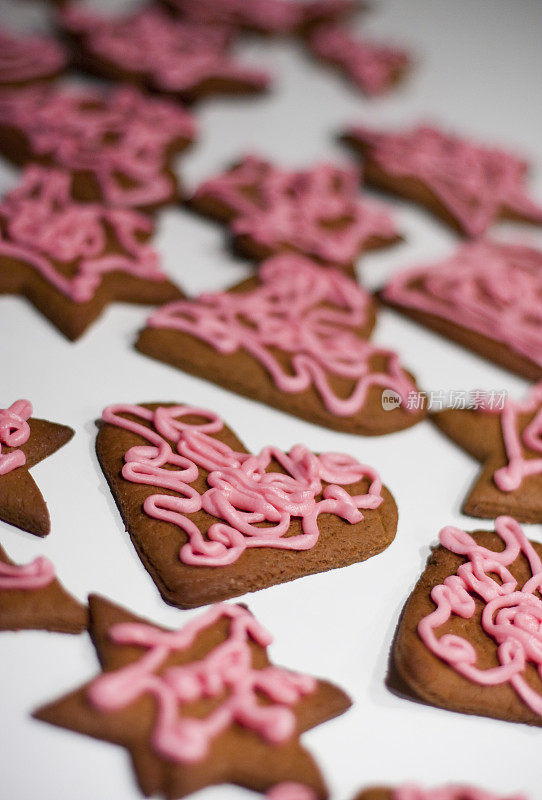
x=317, y=212
x=71, y=259
x=412, y=791
x=468, y=185
x=119, y=143
x=198, y=706
x=32, y=598
x=29, y=59
x=24, y=442
x=211, y=521
x=296, y=337
x=470, y=636
x=487, y=296
x=175, y=57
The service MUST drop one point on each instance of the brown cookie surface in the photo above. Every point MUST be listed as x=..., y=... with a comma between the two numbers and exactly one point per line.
x=236, y=749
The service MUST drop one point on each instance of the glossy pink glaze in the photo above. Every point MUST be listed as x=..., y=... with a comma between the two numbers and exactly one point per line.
x=35, y=575
x=177, y=736
x=511, y=617
x=242, y=493
x=27, y=58
x=14, y=432
x=451, y=792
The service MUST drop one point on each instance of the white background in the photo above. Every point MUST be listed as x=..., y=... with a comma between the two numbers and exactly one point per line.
x=478, y=70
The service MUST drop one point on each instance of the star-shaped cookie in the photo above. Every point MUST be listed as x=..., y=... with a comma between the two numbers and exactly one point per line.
x=24, y=442
x=507, y=439
x=199, y=706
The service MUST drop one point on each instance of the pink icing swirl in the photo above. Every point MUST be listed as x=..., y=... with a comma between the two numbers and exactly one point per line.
x=178, y=56
x=36, y=575
x=179, y=737
x=511, y=617
x=43, y=224
x=452, y=792
x=14, y=431
x=316, y=211
x=291, y=791
x=110, y=134
x=491, y=288
x=372, y=66
x=312, y=314
x=242, y=493
x=474, y=183
x=25, y=58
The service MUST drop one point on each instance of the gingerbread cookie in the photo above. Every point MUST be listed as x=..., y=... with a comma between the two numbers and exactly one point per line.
x=194, y=502
x=294, y=337
x=470, y=638
x=24, y=442
x=317, y=212
x=507, y=440
x=32, y=598
x=412, y=792
x=373, y=67
x=487, y=297
x=29, y=59
x=469, y=186
x=198, y=706
x=72, y=259
x=180, y=58
x=119, y=144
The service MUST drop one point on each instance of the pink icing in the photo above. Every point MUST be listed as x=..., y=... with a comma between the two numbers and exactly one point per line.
x=511, y=617
x=179, y=737
x=178, y=56
x=43, y=224
x=14, y=431
x=25, y=58
x=121, y=132
x=372, y=66
x=453, y=792
x=36, y=575
x=298, y=209
x=291, y=791
x=510, y=477
x=493, y=289
x=242, y=492
x=287, y=312
x=474, y=183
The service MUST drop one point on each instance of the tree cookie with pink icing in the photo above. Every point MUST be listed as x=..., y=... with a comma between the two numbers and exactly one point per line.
x=29, y=59
x=487, y=296
x=119, y=143
x=317, y=212
x=32, y=598
x=71, y=259
x=414, y=792
x=24, y=442
x=179, y=58
x=198, y=706
x=296, y=337
x=470, y=636
x=211, y=521
x=468, y=185
x=507, y=440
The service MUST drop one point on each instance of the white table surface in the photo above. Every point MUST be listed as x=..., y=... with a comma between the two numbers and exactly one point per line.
x=478, y=71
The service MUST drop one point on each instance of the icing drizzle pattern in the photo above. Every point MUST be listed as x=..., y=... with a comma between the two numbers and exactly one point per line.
x=42, y=224
x=452, y=792
x=491, y=288
x=14, y=431
x=308, y=312
x=474, y=183
x=241, y=493
x=177, y=736
x=109, y=134
x=25, y=58
x=511, y=617
x=26, y=577
x=316, y=211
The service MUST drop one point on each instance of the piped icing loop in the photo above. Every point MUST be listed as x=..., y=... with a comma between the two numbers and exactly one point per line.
x=243, y=492
x=452, y=792
x=226, y=668
x=43, y=224
x=289, y=790
x=492, y=288
x=315, y=211
x=14, y=432
x=26, y=577
x=474, y=183
x=308, y=312
x=179, y=56
x=26, y=58
x=109, y=134
x=511, y=617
